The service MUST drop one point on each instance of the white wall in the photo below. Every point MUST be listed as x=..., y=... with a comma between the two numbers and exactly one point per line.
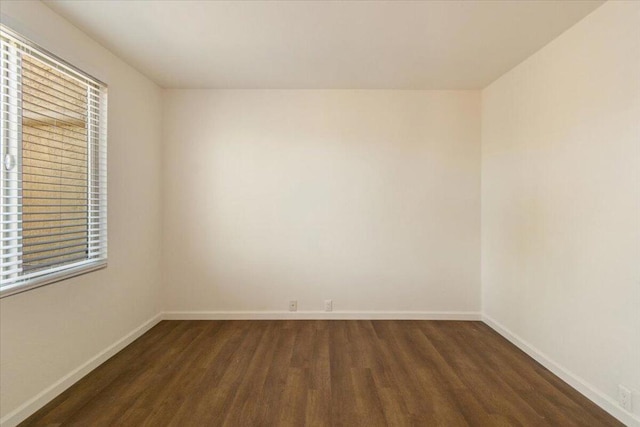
x=561, y=200
x=49, y=332
x=369, y=198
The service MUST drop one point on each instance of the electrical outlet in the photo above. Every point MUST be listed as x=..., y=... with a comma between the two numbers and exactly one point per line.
x=328, y=305
x=293, y=305
x=624, y=397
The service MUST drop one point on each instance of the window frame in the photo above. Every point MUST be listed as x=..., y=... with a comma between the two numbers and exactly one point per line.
x=96, y=196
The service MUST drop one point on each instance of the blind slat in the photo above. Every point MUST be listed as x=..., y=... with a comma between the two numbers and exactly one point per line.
x=57, y=248
x=55, y=241
x=57, y=170
x=63, y=254
x=52, y=162
x=37, y=137
x=92, y=97
x=82, y=138
x=58, y=262
x=39, y=236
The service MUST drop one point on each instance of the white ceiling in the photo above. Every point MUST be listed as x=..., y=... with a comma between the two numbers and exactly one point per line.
x=447, y=44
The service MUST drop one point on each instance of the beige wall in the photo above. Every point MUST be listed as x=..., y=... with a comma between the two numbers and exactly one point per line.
x=48, y=332
x=561, y=200
x=369, y=198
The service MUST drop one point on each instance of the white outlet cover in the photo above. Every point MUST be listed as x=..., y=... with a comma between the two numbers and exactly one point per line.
x=293, y=305
x=328, y=305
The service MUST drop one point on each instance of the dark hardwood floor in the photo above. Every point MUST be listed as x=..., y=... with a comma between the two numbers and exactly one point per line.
x=317, y=373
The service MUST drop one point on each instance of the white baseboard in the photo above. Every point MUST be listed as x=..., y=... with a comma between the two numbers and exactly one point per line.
x=320, y=315
x=31, y=406
x=589, y=391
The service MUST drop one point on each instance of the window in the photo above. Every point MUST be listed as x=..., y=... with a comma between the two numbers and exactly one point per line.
x=53, y=186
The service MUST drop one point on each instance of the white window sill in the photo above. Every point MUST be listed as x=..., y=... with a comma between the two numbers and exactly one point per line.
x=65, y=273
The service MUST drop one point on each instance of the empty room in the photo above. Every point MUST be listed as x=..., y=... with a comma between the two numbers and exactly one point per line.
x=320, y=213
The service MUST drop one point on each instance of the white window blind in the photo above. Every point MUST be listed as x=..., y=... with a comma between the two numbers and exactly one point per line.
x=54, y=184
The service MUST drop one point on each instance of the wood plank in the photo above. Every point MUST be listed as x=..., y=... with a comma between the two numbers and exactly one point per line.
x=321, y=373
